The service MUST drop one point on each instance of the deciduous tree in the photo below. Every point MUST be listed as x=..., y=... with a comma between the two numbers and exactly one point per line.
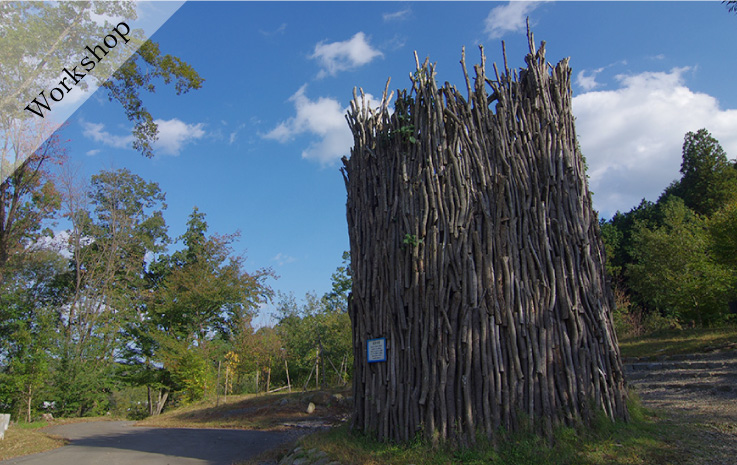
x=28, y=196
x=674, y=271
x=197, y=293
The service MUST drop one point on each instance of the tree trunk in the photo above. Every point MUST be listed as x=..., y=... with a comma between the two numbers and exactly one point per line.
x=268, y=377
x=150, y=401
x=162, y=397
x=29, y=402
x=477, y=255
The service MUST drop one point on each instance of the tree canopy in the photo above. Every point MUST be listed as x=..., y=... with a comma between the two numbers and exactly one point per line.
x=675, y=258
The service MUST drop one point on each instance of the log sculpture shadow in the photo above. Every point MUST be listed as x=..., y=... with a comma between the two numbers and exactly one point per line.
x=477, y=255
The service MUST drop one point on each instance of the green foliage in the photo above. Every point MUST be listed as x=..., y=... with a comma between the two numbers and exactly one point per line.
x=709, y=180
x=723, y=231
x=191, y=374
x=411, y=240
x=337, y=298
x=132, y=76
x=198, y=300
x=673, y=261
x=404, y=121
x=674, y=272
x=28, y=197
x=81, y=386
x=320, y=326
x=27, y=324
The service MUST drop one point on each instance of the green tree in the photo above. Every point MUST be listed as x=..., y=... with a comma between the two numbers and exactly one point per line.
x=673, y=270
x=337, y=298
x=317, y=333
x=709, y=179
x=723, y=230
x=28, y=318
x=723, y=244
x=617, y=236
x=28, y=196
x=116, y=225
x=196, y=295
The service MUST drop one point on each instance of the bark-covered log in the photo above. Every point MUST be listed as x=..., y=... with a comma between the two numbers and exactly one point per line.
x=476, y=254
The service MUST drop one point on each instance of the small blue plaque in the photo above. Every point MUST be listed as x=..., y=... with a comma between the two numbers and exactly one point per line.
x=376, y=350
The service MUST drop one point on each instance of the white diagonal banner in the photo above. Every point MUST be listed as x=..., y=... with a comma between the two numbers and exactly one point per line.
x=54, y=55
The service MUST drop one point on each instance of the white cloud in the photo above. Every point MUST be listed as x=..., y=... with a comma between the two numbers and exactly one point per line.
x=282, y=259
x=397, y=15
x=96, y=132
x=92, y=153
x=632, y=137
x=173, y=135
x=234, y=135
x=324, y=118
x=588, y=81
x=277, y=31
x=508, y=18
x=346, y=55
x=59, y=242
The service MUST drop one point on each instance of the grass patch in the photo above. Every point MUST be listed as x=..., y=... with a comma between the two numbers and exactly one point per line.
x=646, y=439
x=25, y=438
x=678, y=342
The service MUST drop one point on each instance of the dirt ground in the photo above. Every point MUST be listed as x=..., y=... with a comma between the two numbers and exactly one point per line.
x=697, y=390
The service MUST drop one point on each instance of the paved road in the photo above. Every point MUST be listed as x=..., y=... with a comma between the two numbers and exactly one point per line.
x=121, y=443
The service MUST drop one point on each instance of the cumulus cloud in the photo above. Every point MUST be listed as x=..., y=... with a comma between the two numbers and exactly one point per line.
x=632, y=136
x=342, y=56
x=508, y=18
x=586, y=80
x=173, y=135
x=324, y=118
x=97, y=132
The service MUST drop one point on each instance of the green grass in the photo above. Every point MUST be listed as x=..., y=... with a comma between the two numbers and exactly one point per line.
x=645, y=439
x=677, y=342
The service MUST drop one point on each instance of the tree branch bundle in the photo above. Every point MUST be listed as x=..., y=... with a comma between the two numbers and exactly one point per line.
x=476, y=253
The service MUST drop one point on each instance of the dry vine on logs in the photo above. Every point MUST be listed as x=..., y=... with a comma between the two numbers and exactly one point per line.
x=476, y=254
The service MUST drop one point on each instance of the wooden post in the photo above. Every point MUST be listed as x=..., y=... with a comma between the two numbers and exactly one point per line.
x=227, y=372
x=286, y=367
x=317, y=370
x=217, y=388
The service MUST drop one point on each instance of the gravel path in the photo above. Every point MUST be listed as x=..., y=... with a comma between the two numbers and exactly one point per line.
x=698, y=390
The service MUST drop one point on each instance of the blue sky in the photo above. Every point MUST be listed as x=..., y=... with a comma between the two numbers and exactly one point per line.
x=257, y=149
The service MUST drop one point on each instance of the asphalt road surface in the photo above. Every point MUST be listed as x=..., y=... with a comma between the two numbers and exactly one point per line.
x=121, y=443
